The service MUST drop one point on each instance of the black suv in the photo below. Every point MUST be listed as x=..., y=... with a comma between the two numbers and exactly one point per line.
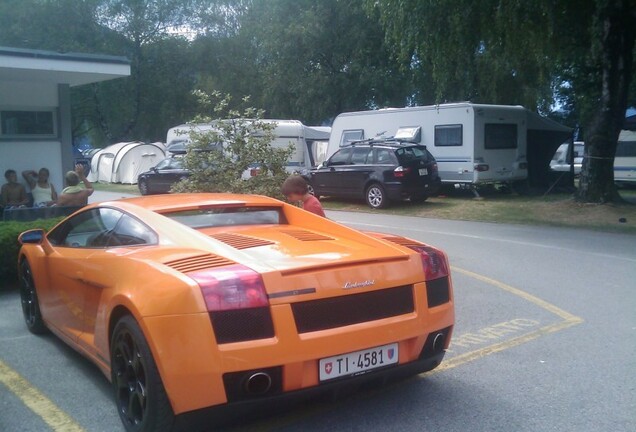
x=380, y=171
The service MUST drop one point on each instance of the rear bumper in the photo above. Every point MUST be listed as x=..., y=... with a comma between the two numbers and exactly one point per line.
x=227, y=414
x=400, y=191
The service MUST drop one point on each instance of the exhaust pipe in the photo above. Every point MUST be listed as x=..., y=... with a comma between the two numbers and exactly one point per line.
x=258, y=383
x=438, y=342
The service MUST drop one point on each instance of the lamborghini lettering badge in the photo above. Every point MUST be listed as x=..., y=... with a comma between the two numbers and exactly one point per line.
x=361, y=284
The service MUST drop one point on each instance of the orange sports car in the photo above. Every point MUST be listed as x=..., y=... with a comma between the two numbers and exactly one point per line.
x=201, y=306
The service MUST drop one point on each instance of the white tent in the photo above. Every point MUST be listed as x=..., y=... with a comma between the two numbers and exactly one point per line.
x=123, y=162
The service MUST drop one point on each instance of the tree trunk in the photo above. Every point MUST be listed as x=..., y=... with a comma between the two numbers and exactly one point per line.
x=616, y=21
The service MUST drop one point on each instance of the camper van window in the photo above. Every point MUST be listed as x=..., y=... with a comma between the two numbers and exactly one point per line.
x=500, y=136
x=626, y=149
x=448, y=135
x=350, y=136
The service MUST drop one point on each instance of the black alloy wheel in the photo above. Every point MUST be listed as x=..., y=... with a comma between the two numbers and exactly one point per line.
x=141, y=399
x=29, y=300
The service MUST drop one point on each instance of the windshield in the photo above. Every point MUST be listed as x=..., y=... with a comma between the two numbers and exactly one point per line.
x=228, y=216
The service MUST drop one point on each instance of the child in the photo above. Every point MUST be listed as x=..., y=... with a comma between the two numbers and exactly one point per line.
x=295, y=189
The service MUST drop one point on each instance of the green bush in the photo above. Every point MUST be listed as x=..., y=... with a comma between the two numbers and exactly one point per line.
x=240, y=139
x=9, y=246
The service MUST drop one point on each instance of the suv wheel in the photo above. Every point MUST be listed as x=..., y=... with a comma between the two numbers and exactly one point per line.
x=143, y=187
x=310, y=190
x=376, y=197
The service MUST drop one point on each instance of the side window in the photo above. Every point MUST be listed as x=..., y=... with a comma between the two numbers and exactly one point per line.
x=626, y=149
x=176, y=164
x=89, y=229
x=361, y=156
x=164, y=164
x=341, y=157
x=130, y=232
x=384, y=157
x=500, y=136
x=349, y=136
x=448, y=135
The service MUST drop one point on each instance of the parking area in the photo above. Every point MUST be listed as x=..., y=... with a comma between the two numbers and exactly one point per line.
x=545, y=340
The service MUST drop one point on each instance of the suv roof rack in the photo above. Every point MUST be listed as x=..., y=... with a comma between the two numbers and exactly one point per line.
x=382, y=141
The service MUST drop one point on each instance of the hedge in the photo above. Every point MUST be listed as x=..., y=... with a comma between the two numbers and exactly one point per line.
x=9, y=246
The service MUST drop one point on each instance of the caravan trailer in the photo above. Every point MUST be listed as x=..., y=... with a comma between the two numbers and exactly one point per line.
x=625, y=160
x=309, y=142
x=473, y=144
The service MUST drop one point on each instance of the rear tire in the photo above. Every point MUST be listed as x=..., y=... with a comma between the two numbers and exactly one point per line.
x=376, y=197
x=29, y=300
x=140, y=397
x=311, y=190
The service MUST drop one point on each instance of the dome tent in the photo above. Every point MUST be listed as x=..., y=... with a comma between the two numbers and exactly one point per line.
x=123, y=162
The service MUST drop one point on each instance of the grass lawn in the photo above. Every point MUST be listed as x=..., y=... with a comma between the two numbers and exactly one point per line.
x=554, y=210
x=117, y=187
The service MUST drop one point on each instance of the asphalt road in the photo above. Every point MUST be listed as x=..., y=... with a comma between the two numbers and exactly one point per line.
x=545, y=340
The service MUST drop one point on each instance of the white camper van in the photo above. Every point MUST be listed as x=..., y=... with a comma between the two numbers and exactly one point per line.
x=625, y=159
x=472, y=143
x=309, y=142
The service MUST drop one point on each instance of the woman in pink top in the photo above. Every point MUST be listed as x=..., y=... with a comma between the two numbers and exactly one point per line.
x=295, y=189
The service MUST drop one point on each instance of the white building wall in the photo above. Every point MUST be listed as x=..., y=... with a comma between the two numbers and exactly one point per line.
x=25, y=155
x=16, y=94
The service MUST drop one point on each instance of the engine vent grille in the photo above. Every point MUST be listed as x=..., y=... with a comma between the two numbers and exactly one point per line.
x=198, y=262
x=304, y=235
x=239, y=241
x=402, y=241
x=350, y=309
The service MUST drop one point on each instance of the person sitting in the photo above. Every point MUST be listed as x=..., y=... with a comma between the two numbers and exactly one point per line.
x=74, y=194
x=295, y=189
x=44, y=194
x=13, y=194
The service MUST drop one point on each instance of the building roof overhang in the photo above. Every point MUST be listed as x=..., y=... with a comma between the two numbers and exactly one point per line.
x=26, y=65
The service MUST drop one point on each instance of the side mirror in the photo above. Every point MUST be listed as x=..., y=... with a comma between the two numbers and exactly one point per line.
x=34, y=236
x=320, y=165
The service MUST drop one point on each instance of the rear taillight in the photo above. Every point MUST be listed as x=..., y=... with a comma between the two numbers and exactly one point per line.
x=481, y=167
x=433, y=261
x=232, y=287
x=401, y=171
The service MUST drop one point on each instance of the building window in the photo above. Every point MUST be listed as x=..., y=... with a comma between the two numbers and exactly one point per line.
x=500, y=136
x=449, y=135
x=350, y=136
x=23, y=123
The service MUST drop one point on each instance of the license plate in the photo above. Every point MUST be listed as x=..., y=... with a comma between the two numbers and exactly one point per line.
x=423, y=171
x=358, y=362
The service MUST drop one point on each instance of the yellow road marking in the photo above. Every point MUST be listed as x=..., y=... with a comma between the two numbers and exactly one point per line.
x=516, y=291
x=52, y=415
x=569, y=320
